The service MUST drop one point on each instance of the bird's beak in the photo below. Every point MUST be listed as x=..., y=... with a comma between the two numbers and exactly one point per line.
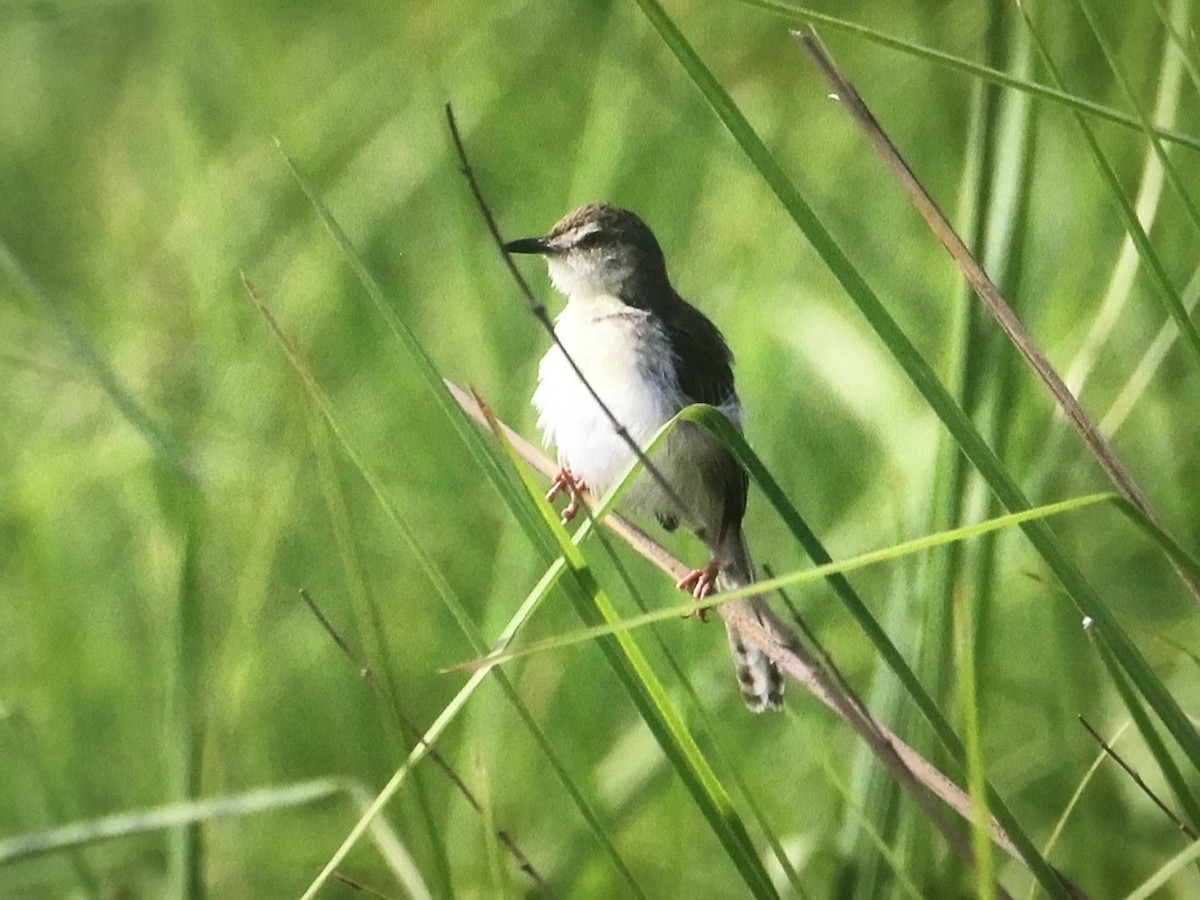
x=528, y=245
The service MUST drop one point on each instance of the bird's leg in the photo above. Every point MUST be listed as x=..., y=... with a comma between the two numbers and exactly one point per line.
x=700, y=583
x=566, y=480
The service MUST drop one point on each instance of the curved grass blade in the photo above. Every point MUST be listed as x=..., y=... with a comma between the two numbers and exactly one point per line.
x=178, y=815
x=1160, y=878
x=1164, y=289
x=1144, y=122
x=1174, y=26
x=888, y=748
x=160, y=441
x=1146, y=206
x=905, y=764
x=958, y=63
x=1137, y=383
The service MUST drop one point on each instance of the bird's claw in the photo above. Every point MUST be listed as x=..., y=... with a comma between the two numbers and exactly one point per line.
x=567, y=481
x=700, y=583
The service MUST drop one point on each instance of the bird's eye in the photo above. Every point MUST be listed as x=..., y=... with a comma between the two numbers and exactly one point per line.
x=591, y=239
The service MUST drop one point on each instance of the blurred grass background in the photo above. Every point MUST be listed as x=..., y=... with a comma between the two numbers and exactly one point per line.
x=152, y=646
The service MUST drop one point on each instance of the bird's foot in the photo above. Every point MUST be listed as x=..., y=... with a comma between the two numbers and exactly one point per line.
x=567, y=481
x=700, y=583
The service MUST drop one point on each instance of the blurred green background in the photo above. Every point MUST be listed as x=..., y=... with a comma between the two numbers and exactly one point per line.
x=165, y=488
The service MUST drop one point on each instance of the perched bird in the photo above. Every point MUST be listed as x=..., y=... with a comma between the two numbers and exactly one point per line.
x=648, y=354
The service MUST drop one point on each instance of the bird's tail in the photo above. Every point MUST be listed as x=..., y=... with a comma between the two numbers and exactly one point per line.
x=758, y=677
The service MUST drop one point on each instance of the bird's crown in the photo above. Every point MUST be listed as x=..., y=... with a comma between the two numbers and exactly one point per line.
x=601, y=225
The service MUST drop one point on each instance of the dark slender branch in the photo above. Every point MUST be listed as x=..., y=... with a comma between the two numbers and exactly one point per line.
x=538, y=309
x=355, y=885
x=414, y=733
x=364, y=670
x=1137, y=779
x=778, y=642
x=982, y=284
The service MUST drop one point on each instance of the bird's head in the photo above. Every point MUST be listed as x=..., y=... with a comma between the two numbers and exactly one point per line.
x=599, y=250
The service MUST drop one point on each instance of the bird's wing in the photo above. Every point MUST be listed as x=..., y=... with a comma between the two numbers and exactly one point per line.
x=704, y=371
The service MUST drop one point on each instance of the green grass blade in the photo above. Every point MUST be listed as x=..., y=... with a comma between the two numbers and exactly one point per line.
x=985, y=887
x=85, y=353
x=649, y=695
x=1146, y=206
x=798, y=578
x=994, y=203
x=1176, y=22
x=611, y=628
x=181, y=815
x=1164, y=289
x=1160, y=878
x=958, y=63
x=905, y=883
x=496, y=474
x=1061, y=824
x=187, y=845
x=970, y=357
x=706, y=732
x=925, y=380
x=1143, y=374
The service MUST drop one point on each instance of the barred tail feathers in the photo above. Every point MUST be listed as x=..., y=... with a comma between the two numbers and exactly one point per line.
x=758, y=677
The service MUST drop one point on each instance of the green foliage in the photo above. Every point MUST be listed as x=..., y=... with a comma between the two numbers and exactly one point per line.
x=170, y=483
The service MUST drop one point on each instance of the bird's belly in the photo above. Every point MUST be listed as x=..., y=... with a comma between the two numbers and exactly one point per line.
x=631, y=371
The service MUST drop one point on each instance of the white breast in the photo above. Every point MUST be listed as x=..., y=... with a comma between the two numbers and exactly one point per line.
x=626, y=359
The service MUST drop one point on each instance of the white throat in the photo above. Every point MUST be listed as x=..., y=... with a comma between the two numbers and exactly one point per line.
x=581, y=276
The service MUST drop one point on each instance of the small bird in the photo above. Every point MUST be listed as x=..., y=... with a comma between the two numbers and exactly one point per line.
x=647, y=353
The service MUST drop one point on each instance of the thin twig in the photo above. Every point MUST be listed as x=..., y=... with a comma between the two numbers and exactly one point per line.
x=538, y=309
x=1137, y=779
x=415, y=734
x=982, y=284
x=359, y=886
x=364, y=670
